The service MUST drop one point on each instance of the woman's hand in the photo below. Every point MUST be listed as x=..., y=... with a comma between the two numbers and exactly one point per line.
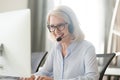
x=28, y=78
x=37, y=78
x=44, y=78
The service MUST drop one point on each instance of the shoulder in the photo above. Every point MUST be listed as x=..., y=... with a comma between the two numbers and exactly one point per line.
x=86, y=47
x=89, y=48
x=54, y=47
x=85, y=43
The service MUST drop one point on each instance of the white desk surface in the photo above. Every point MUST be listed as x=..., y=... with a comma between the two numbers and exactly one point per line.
x=113, y=71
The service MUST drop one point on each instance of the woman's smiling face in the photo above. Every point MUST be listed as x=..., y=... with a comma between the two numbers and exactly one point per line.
x=58, y=22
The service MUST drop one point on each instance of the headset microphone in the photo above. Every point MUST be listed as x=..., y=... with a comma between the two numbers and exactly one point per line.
x=59, y=39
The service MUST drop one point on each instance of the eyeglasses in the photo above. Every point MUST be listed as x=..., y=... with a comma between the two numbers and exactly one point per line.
x=59, y=27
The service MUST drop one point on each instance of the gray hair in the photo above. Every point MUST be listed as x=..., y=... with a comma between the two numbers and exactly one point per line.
x=69, y=16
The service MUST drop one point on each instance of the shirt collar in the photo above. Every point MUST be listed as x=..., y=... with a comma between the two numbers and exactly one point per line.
x=69, y=49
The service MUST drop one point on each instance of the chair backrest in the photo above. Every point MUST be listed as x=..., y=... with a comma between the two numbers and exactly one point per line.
x=37, y=59
x=103, y=62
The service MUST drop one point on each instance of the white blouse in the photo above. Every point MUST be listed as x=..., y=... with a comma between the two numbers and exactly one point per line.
x=79, y=63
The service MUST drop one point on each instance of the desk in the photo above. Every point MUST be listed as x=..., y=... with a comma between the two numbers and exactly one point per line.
x=8, y=78
x=112, y=71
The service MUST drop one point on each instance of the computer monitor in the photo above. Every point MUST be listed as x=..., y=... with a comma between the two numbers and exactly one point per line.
x=15, y=35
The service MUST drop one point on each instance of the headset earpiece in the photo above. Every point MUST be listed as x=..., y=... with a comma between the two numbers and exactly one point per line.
x=70, y=28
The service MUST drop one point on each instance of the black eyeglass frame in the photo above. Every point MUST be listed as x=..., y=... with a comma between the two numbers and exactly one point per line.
x=62, y=25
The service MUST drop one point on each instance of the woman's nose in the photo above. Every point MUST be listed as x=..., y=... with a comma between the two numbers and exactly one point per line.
x=57, y=30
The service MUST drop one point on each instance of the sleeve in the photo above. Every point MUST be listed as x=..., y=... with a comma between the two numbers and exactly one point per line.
x=91, y=67
x=47, y=68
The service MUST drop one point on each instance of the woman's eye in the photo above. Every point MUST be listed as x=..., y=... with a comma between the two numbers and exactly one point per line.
x=52, y=26
x=60, y=25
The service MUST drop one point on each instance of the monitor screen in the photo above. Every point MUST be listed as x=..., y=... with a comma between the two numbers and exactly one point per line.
x=16, y=39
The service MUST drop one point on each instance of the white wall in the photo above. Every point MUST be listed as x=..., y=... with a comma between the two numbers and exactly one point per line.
x=8, y=5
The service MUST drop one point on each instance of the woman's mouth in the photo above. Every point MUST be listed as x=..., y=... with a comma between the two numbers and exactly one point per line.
x=61, y=35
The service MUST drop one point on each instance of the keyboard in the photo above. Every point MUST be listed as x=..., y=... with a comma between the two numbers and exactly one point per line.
x=9, y=78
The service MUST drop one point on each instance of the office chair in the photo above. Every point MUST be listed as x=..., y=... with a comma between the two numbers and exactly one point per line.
x=103, y=62
x=37, y=60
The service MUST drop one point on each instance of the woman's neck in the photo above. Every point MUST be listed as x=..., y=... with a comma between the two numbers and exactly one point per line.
x=65, y=44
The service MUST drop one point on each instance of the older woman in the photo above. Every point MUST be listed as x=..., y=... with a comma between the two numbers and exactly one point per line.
x=72, y=58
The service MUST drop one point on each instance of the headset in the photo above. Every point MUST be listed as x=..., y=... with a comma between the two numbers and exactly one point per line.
x=70, y=26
